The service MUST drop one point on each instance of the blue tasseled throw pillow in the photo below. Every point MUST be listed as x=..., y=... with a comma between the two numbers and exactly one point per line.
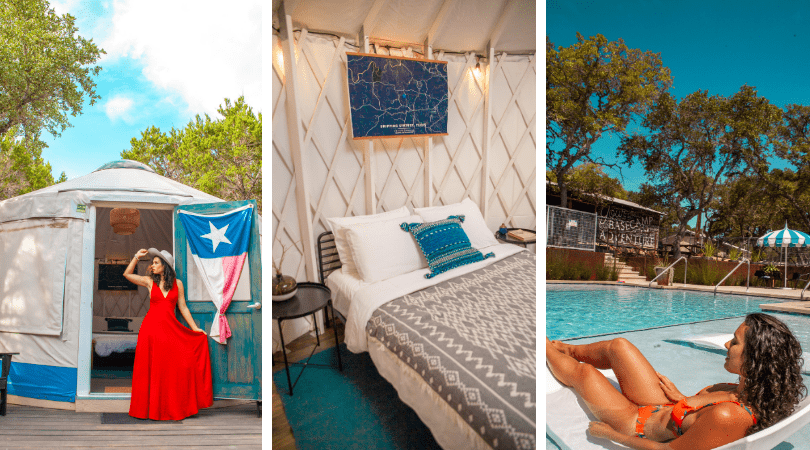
x=444, y=244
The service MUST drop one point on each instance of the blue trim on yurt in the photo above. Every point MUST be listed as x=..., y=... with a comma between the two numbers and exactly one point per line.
x=43, y=382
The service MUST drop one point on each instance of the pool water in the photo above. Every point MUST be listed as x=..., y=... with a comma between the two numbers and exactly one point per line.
x=588, y=310
x=657, y=322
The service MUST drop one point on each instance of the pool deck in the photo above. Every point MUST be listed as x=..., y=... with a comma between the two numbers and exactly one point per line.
x=796, y=306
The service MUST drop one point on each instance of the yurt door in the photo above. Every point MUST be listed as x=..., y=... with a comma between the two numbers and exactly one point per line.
x=211, y=242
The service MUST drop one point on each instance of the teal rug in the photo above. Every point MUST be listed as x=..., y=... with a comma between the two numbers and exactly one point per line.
x=353, y=409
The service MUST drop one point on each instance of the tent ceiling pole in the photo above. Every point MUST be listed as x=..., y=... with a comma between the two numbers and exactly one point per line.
x=296, y=143
x=369, y=166
x=485, y=145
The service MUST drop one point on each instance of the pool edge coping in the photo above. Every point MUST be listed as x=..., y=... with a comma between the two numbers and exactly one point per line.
x=788, y=304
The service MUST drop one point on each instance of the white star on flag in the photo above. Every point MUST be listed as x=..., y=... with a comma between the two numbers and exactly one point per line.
x=217, y=235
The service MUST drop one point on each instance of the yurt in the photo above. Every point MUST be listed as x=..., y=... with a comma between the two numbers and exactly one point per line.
x=65, y=307
x=391, y=117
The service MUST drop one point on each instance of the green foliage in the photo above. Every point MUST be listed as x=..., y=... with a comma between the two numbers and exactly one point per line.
x=590, y=183
x=46, y=69
x=558, y=267
x=756, y=255
x=734, y=254
x=744, y=206
x=701, y=271
x=222, y=157
x=595, y=87
x=770, y=268
x=650, y=273
x=788, y=188
x=709, y=249
x=606, y=272
x=694, y=144
x=22, y=168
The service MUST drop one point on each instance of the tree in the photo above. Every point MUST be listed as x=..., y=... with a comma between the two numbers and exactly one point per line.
x=694, y=145
x=744, y=208
x=589, y=181
x=791, y=144
x=22, y=168
x=592, y=88
x=221, y=157
x=46, y=68
x=650, y=197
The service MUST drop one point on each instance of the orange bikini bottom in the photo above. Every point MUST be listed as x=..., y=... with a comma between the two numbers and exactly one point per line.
x=644, y=413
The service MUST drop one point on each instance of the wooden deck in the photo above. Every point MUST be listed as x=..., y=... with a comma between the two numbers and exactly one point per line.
x=27, y=427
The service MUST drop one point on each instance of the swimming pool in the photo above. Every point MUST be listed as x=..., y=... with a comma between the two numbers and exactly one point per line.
x=587, y=310
x=657, y=321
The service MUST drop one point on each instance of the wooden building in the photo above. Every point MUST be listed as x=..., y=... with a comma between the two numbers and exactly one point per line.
x=620, y=223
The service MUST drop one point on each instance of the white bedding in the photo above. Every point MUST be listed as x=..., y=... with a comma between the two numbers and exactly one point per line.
x=357, y=300
x=111, y=341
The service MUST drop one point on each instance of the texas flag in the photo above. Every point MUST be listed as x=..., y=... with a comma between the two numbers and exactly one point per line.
x=219, y=245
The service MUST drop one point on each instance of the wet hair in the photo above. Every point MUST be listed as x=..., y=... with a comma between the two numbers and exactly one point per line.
x=168, y=275
x=771, y=370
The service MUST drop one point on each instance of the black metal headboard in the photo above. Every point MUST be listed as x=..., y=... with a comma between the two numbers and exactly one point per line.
x=328, y=259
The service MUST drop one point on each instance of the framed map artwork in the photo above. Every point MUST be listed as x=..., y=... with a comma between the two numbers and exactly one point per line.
x=392, y=96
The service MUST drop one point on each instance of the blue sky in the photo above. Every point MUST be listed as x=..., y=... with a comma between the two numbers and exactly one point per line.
x=715, y=46
x=166, y=61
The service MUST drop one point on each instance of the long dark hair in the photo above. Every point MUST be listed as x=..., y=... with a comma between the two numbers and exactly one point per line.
x=168, y=275
x=771, y=370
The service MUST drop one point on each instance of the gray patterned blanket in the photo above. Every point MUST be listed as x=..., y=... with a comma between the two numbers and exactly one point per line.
x=473, y=339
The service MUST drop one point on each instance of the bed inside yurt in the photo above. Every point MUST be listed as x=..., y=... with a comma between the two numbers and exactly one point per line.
x=390, y=119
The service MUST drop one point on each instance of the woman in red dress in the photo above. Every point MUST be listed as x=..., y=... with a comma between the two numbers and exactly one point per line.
x=171, y=379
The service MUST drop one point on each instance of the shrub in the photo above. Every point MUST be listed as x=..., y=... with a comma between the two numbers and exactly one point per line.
x=606, y=273
x=734, y=254
x=709, y=249
x=560, y=267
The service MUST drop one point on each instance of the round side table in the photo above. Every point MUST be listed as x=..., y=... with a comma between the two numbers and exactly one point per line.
x=511, y=240
x=310, y=298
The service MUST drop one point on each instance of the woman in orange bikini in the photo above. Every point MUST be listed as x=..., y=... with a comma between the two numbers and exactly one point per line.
x=650, y=412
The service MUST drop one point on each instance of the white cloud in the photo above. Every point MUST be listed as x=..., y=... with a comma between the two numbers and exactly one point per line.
x=64, y=6
x=201, y=51
x=119, y=107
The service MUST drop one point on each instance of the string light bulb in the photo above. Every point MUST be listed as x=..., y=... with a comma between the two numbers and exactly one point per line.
x=477, y=64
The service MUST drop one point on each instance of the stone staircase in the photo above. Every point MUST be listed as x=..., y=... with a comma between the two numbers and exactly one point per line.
x=626, y=273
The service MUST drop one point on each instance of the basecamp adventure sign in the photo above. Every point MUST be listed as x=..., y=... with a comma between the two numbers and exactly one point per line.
x=392, y=96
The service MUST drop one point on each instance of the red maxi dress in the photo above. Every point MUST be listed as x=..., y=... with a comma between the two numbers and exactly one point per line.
x=171, y=379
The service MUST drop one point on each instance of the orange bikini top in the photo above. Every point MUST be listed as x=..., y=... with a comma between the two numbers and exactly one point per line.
x=681, y=409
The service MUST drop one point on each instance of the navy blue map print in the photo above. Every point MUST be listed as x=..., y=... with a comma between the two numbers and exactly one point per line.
x=393, y=97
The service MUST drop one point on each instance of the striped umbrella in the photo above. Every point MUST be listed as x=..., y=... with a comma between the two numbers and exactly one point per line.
x=784, y=239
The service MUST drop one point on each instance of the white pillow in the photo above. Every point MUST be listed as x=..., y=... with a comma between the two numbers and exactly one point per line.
x=339, y=224
x=382, y=250
x=474, y=225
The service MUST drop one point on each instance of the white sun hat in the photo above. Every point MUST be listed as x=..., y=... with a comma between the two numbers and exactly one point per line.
x=163, y=254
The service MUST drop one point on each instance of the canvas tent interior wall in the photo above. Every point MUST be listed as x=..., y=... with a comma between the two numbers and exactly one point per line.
x=319, y=171
x=55, y=240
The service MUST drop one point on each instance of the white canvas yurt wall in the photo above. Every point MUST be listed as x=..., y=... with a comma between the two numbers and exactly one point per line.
x=319, y=171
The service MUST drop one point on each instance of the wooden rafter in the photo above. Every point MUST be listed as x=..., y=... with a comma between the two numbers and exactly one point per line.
x=500, y=25
x=438, y=21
